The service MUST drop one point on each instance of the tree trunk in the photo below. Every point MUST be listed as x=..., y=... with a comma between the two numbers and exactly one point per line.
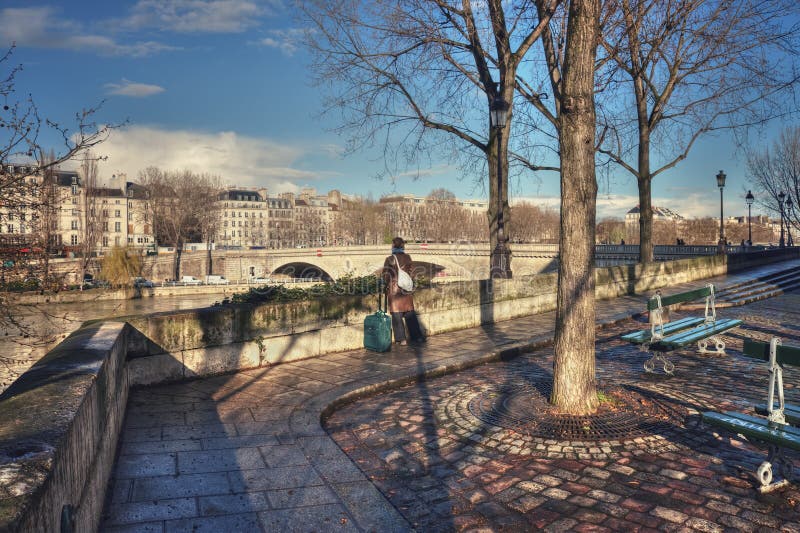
x=178, y=252
x=574, y=385
x=646, y=253
x=491, y=158
x=645, y=181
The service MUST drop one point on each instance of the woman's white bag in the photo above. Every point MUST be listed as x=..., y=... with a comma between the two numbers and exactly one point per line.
x=404, y=281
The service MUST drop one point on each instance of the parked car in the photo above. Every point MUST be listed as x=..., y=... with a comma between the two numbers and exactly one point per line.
x=259, y=281
x=190, y=280
x=216, y=280
x=141, y=283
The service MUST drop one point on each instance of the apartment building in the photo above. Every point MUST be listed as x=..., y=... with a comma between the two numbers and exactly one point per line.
x=245, y=218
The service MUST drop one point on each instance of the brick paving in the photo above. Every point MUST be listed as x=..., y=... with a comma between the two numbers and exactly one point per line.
x=247, y=452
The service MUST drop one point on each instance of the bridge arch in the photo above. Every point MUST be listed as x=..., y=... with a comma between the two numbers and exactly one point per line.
x=302, y=270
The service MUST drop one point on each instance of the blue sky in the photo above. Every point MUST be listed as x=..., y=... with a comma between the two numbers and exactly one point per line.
x=222, y=86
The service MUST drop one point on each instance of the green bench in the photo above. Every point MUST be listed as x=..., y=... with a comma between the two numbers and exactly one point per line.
x=775, y=427
x=665, y=336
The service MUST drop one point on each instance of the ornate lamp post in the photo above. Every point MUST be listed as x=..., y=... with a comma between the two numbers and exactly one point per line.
x=501, y=256
x=781, y=198
x=789, y=207
x=749, y=199
x=722, y=244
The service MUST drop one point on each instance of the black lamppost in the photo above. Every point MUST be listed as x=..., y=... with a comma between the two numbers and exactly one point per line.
x=722, y=244
x=789, y=207
x=501, y=256
x=781, y=198
x=749, y=199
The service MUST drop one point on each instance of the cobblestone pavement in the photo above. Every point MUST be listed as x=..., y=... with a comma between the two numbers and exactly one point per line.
x=431, y=451
x=247, y=451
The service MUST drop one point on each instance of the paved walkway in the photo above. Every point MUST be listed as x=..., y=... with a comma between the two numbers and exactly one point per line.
x=247, y=452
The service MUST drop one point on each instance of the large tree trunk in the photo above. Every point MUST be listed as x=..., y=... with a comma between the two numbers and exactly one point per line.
x=574, y=386
x=491, y=157
x=646, y=253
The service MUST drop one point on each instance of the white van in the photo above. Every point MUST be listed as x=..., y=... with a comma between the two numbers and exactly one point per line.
x=216, y=280
x=190, y=280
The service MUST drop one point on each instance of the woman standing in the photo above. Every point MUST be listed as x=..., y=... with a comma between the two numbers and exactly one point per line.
x=401, y=303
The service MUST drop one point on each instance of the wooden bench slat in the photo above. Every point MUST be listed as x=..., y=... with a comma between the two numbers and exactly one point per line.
x=680, y=297
x=786, y=355
x=751, y=426
x=790, y=412
x=699, y=333
x=642, y=336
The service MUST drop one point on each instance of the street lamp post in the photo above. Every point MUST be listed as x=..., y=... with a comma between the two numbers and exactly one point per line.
x=501, y=256
x=749, y=199
x=721, y=246
x=781, y=198
x=789, y=207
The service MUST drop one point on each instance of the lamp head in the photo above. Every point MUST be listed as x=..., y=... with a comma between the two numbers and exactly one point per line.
x=721, y=179
x=498, y=112
x=749, y=199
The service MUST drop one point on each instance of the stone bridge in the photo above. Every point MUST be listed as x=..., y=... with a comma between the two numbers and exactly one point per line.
x=448, y=261
x=455, y=261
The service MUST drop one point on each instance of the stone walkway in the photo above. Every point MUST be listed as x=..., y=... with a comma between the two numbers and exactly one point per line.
x=247, y=452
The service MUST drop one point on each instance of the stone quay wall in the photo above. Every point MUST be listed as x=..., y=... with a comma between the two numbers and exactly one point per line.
x=60, y=421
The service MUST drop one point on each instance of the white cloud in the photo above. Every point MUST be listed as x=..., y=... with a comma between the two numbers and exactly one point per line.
x=43, y=27
x=287, y=40
x=192, y=16
x=237, y=159
x=133, y=89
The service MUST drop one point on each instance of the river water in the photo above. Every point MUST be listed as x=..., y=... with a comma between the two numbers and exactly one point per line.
x=43, y=326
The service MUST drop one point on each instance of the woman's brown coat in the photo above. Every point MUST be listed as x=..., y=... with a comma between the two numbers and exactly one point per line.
x=398, y=301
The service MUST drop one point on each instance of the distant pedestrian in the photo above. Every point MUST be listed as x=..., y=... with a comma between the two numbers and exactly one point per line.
x=622, y=242
x=401, y=303
x=744, y=244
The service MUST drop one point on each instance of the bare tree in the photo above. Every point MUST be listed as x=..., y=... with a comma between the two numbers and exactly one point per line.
x=93, y=217
x=534, y=223
x=610, y=230
x=21, y=126
x=416, y=76
x=180, y=202
x=690, y=67
x=208, y=194
x=776, y=170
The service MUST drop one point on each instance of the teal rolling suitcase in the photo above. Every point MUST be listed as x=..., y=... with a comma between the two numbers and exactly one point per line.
x=378, y=329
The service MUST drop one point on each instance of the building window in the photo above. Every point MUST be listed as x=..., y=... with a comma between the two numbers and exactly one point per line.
x=73, y=240
x=74, y=190
x=105, y=226
x=117, y=227
x=116, y=213
x=105, y=241
x=11, y=228
x=74, y=224
x=116, y=241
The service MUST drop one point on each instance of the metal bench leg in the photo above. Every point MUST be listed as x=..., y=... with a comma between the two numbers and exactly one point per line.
x=719, y=345
x=764, y=472
x=650, y=364
x=669, y=367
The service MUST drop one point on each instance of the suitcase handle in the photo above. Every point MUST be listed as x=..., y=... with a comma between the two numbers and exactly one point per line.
x=382, y=292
